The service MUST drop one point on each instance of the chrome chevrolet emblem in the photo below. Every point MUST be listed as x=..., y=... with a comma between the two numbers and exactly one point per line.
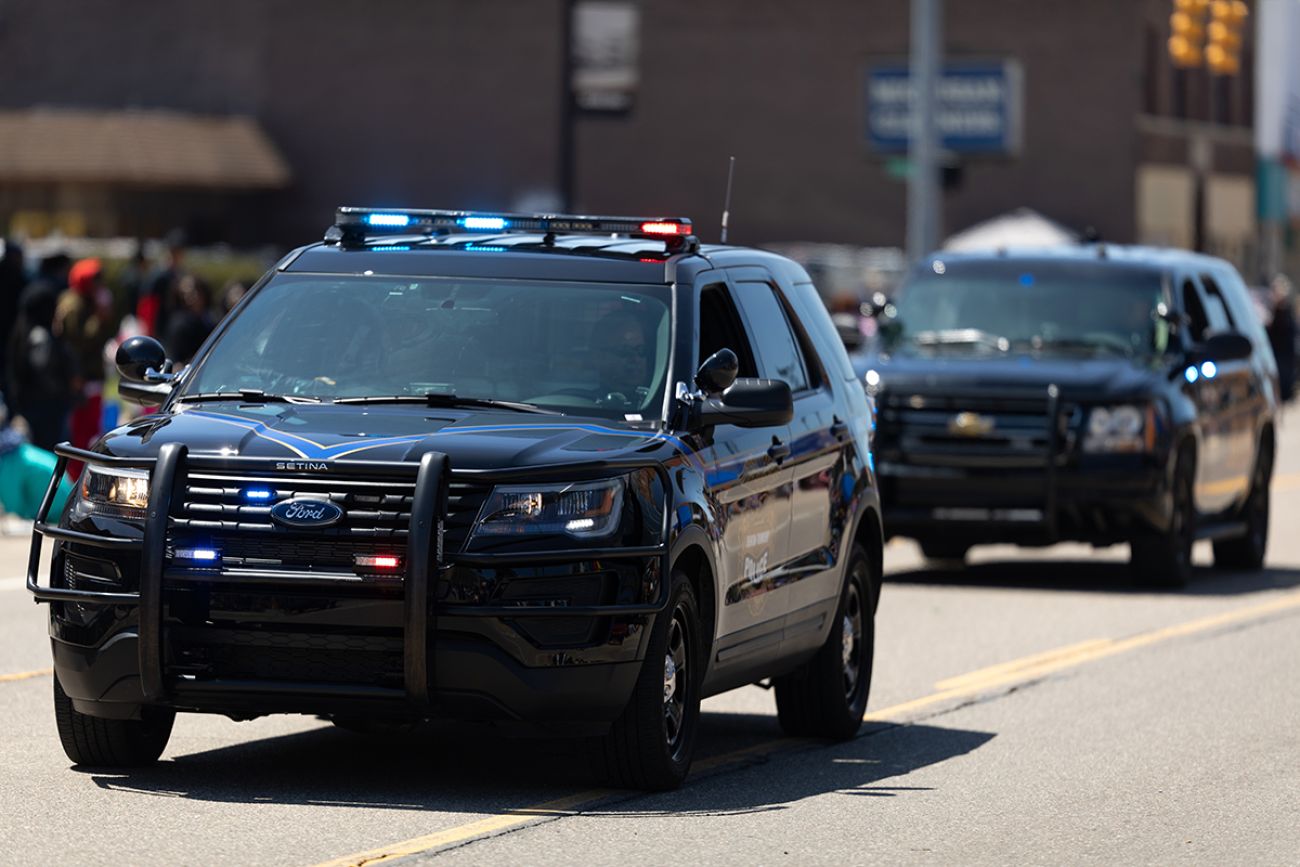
x=970, y=424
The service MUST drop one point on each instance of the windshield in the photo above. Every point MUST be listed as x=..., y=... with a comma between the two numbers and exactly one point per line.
x=588, y=349
x=1008, y=306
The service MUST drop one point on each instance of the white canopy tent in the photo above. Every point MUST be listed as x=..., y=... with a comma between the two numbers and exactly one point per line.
x=1023, y=227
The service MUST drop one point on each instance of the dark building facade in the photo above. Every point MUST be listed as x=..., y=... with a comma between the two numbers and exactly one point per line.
x=457, y=103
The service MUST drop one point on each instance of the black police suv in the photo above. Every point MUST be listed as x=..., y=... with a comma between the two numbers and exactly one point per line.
x=568, y=473
x=1099, y=394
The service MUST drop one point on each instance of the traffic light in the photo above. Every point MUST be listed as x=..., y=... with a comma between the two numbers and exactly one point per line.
x=1187, y=32
x=1223, y=47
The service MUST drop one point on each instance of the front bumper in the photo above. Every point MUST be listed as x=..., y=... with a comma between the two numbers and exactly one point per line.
x=495, y=636
x=1100, y=501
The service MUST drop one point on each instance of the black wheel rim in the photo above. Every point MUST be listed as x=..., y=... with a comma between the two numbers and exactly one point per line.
x=676, y=679
x=851, y=640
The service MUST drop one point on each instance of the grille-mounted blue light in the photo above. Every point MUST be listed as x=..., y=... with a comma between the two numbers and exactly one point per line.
x=259, y=495
x=1191, y=374
x=485, y=224
x=388, y=220
x=201, y=555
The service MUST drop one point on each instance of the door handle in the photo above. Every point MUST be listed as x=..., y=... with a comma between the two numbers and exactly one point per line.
x=779, y=450
x=839, y=429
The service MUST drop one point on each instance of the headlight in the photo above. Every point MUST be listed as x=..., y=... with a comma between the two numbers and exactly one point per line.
x=1125, y=428
x=121, y=493
x=582, y=509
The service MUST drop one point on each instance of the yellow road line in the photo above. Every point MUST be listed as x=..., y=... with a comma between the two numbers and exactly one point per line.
x=1022, y=670
x=492, y=824
x=1016, y=665
x=24, y=675
x=969, y=686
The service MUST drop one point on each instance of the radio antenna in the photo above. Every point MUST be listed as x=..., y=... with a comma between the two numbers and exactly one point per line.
x=726, y=203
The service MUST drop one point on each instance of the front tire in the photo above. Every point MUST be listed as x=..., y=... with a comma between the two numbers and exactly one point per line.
x=1166, y=561
x=827, y=696
x=944, y=554
x=111, y=743
x=650, y=746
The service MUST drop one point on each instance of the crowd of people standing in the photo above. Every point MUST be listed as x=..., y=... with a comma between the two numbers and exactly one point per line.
x=61, y=321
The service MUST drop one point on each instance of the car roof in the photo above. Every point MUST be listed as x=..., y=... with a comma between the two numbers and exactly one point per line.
x=593, y=258
x=1120, y=255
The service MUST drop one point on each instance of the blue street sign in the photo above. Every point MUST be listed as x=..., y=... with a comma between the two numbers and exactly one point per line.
x=979, y=107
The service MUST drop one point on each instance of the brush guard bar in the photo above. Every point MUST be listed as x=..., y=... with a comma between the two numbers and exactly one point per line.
x=425, y=557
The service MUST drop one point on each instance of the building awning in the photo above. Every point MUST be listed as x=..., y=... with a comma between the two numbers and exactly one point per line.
x=149, y=148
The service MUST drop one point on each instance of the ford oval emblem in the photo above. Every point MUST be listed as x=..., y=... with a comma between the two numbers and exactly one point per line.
x=306, y=513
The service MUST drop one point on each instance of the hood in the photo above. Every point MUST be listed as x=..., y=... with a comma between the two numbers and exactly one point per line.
x=1076, y=377
x=472, y=439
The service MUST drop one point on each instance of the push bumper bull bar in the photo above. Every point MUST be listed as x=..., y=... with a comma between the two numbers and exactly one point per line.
x=425, y=558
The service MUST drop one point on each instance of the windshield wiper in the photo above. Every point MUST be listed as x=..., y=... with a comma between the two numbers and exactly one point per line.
x=441, y=398
x=961, y=337
x=248, y=395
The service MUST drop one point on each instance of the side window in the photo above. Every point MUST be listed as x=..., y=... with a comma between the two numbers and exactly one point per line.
x=720, y=328
x=830, y=347
x=1198, y=322
x=1216, y=300
x=772, y=334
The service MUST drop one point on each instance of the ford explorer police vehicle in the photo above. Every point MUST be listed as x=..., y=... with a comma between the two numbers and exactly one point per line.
x=571, y=472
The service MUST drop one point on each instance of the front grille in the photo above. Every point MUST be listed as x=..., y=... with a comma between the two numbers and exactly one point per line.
x=974, y=431
x=213, y=512
x=282, y=655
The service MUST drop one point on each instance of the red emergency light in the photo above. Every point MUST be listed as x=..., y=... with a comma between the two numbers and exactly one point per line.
x=378, y=561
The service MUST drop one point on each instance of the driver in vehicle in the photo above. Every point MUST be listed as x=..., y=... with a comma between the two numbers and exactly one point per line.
x=620, y=353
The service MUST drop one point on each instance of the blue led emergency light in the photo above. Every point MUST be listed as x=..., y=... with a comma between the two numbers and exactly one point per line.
x=485, y=224
x=259, y=495
x=388, y=220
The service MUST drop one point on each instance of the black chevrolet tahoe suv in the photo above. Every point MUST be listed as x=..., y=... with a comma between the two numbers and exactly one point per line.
x=561, y=473
x=1099, y=394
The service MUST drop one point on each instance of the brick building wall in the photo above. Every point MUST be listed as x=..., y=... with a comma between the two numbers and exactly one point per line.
x=456, y=103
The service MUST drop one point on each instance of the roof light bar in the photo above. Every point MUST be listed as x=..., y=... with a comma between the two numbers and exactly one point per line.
x=353, y=224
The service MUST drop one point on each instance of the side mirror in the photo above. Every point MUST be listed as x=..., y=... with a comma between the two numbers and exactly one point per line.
x=718, y=372
x=138, y=355
x=749, y=403
x=1223, y=346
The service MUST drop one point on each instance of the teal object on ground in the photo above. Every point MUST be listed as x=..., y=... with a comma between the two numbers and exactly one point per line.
x=24, y=475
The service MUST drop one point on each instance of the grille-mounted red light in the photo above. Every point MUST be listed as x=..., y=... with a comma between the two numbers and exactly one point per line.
x=378, y=561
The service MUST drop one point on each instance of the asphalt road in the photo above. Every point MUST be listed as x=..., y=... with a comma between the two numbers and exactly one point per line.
x=1035, y=708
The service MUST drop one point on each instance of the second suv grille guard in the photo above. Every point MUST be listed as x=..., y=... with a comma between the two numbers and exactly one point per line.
x=424, y=546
